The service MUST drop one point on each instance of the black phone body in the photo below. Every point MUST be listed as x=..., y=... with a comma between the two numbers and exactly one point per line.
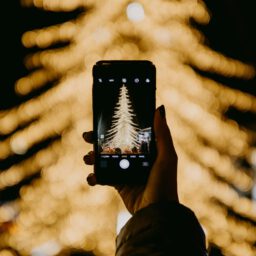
x=123, y=113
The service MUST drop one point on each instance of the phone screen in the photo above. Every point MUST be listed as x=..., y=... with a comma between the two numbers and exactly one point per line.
x=124, y=103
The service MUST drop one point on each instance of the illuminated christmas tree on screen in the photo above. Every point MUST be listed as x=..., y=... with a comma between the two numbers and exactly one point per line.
x=123, y=133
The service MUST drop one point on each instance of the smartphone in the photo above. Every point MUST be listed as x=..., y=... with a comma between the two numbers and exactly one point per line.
x=123, y=113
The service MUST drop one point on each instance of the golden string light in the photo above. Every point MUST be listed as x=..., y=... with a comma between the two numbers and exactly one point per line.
x=58, y=210
x=43, y=38
x=221, y=165
x=217, y=223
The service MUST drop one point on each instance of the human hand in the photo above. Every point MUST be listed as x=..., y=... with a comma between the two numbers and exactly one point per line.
x=162, y=181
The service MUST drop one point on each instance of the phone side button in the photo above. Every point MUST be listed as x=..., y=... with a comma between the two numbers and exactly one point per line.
x=124, y=163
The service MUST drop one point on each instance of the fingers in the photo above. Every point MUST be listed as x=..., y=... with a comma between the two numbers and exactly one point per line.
x=89, y=158
x=164, y=142
x=162, y=182
x=88, y=136
x=91, y=179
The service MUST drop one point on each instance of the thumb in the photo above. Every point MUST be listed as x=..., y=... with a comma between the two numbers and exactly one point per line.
x=162, y=182
x=164, y=142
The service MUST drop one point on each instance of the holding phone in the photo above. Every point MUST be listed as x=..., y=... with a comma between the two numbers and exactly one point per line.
x=123, y=113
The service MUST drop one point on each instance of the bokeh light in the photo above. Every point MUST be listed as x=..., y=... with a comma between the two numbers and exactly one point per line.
x=135, y=12
x=55, y=209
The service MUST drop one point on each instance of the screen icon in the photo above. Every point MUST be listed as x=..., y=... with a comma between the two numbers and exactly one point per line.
x=105, y=156
x=145, y=164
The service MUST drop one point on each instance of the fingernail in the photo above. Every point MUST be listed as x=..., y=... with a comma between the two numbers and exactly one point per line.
x=162, y=111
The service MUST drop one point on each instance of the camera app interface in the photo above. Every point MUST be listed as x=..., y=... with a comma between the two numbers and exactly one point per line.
x=125, y=118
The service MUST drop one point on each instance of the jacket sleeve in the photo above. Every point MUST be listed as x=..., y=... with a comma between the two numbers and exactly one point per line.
x=166, y=228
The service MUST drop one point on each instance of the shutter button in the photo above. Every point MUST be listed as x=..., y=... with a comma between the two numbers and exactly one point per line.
x=124, y=164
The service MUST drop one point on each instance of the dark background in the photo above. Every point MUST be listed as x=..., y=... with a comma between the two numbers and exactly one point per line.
x=231, y=31
x=15, y=20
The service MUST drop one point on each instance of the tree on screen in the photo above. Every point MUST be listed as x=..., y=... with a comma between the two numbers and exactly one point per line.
x=123, y=133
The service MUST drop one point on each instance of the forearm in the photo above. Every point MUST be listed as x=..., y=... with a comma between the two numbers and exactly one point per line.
x=165, y=228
